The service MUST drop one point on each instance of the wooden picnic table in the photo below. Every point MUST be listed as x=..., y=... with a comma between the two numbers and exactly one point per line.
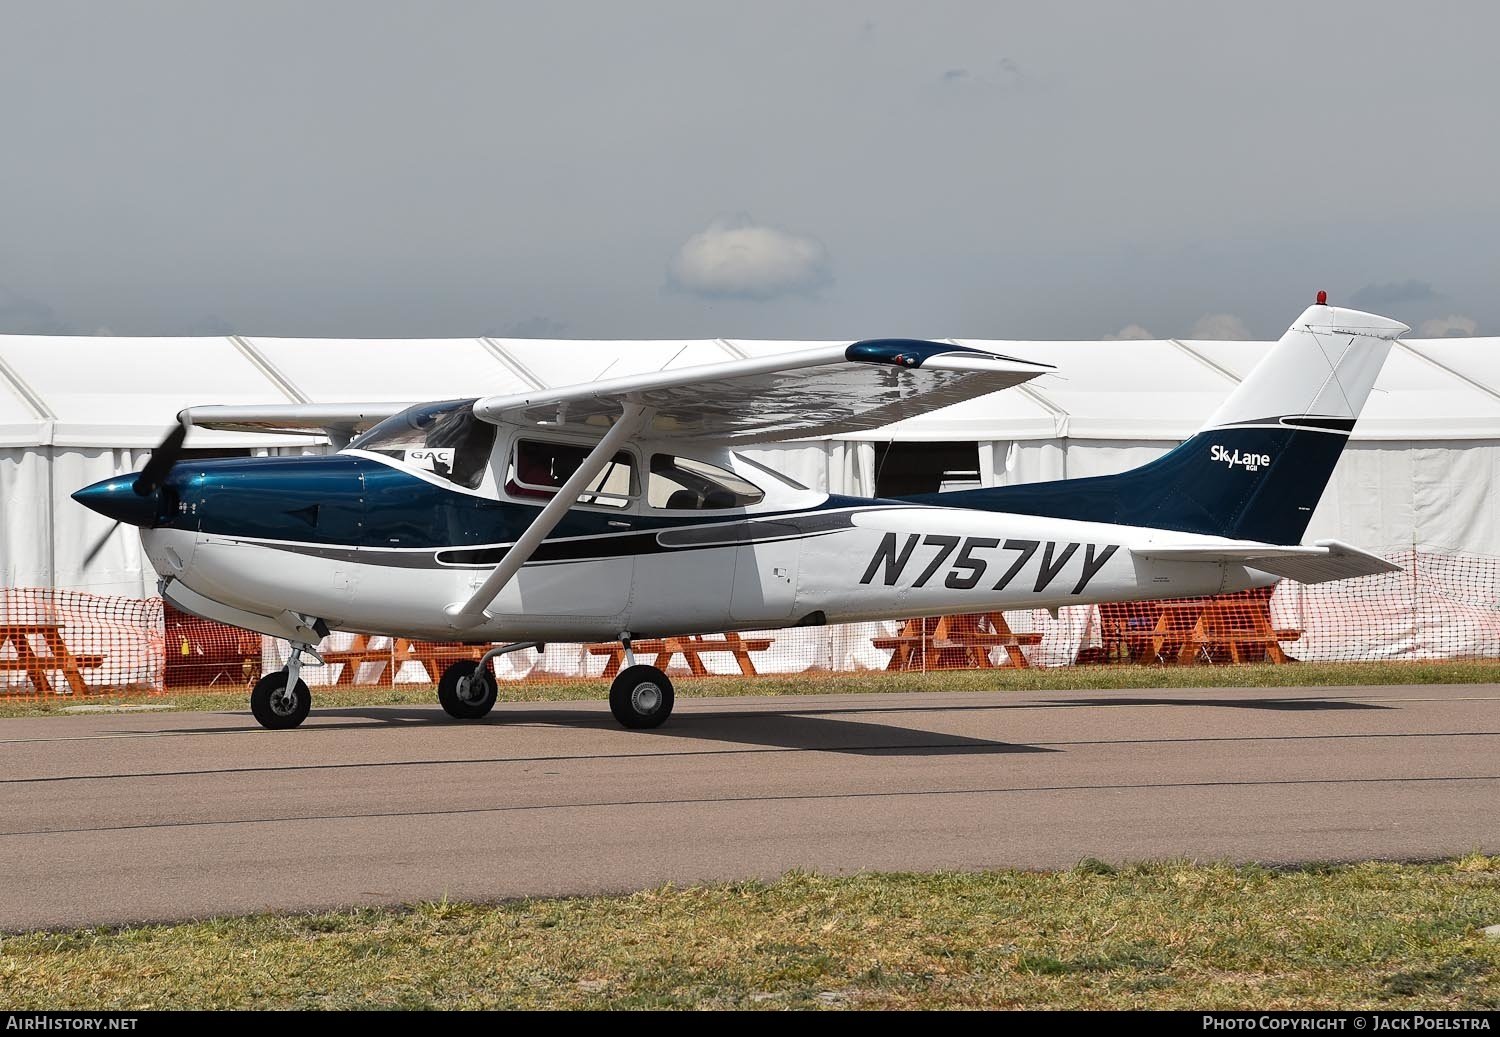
x=435, y=656
x=1234, y=628
x=955, y=642
x=57, y=658
x=689, y=647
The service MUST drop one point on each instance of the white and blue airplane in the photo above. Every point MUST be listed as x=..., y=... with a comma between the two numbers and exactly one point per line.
x=624, y=508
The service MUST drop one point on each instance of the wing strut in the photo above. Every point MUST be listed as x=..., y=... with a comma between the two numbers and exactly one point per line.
x=472, y=612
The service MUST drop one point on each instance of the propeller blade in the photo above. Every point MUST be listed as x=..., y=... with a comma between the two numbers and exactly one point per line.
x=88, y=559
x=161, y=461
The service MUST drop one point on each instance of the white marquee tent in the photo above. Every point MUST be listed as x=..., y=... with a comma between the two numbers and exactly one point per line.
x=1418, y=474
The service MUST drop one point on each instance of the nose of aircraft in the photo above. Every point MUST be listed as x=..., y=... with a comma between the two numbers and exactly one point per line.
x=117, y=499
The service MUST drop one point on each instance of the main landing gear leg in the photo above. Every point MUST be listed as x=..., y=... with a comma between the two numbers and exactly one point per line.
x=281, y=700
x=641, y=696
x=467, y=690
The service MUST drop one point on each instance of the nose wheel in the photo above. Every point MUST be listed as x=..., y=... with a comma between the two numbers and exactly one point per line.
x=641, y=697
x=280, y=700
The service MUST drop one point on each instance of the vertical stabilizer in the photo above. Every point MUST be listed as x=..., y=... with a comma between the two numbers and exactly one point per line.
x=1258, y=467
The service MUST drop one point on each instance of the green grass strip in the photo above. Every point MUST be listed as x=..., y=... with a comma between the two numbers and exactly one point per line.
x=1168, y=935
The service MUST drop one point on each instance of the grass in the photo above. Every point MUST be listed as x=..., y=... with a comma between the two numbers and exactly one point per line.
x=1168, y=935
x=1066, y=678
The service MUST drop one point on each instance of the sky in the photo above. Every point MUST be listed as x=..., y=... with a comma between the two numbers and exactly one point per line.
x=830, y=170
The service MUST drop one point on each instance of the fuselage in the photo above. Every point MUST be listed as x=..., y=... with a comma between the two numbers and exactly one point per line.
x=386, y=542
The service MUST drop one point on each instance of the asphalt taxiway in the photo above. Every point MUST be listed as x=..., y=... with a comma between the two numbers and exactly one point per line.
x=116, y=818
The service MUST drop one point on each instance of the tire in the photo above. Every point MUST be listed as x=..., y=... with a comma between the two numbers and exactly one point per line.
x=641, y=697
x=457, y=693
x=273, y=708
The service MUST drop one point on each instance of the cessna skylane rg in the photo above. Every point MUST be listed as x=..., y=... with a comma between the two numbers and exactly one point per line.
x=624, y=508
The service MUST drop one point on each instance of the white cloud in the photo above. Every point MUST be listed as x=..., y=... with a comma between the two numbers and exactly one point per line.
x=1128, y=332
x=1443, y=327
x=741, y=259
x=1220, y=327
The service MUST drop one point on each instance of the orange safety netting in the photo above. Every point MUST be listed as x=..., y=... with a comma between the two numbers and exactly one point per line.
x=57, y=642
x=1442, y=606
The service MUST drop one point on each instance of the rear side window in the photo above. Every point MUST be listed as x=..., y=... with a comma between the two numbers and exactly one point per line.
x=538, y=468
x=687, y=484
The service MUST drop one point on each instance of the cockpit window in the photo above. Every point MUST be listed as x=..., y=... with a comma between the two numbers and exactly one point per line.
x=686, y=484
x=538, y=468
x=445, y=439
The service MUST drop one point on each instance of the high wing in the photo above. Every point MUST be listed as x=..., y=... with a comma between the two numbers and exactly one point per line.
x=1326, y=560
x=814, y=392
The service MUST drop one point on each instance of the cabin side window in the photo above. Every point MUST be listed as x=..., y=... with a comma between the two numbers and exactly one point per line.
x=687, y=484
x=538, y=468
x=445, y=439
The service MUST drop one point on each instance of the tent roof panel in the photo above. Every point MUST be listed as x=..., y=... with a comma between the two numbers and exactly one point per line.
x=381, y=370
x=1128, y=388
x=13, y=409
x=1115, y=368
x=139, y=382
x=1235, y=357
x=560, y=363
x=1477, y=359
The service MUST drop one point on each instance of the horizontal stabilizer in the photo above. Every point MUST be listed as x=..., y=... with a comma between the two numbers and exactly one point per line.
x=1326, y=560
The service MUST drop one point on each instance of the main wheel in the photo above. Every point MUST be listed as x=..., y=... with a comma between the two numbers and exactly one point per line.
x=467, y=694
x=278, y=706
x=641, y=697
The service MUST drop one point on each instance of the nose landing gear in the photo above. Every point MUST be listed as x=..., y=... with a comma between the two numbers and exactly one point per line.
x=281, y=700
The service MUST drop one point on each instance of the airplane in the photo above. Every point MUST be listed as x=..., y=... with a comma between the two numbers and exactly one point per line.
x=624, y=508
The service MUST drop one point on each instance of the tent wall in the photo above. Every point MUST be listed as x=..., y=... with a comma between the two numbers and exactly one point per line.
x=828, y=466
x=1434, y=496
x=45, y=534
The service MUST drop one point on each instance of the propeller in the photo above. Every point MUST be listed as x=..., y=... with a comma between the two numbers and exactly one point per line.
x=161, y=461
x=88, y=559
x=148, y=481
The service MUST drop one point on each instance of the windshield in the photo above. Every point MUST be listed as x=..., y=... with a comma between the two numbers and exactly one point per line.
x=445, y=439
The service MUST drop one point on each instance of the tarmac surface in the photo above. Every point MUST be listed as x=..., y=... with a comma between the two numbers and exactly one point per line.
x=119, y=818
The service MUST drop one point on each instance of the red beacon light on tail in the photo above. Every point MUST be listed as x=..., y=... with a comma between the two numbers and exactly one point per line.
x=1322, y=298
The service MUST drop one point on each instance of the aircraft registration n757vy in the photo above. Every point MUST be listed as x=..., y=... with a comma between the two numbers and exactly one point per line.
x=626, y=508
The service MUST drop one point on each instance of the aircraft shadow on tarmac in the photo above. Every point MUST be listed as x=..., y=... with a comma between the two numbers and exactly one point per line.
x=1287, y=705
x=792, y=729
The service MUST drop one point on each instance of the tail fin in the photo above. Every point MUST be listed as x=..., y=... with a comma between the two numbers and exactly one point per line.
x=1257, y=468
